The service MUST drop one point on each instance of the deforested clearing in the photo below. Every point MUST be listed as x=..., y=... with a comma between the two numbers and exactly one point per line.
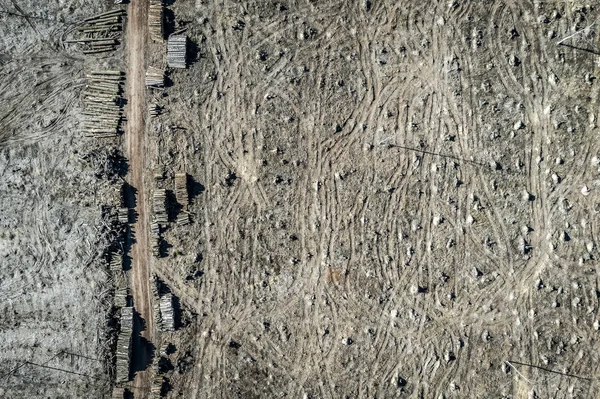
x=299, y=198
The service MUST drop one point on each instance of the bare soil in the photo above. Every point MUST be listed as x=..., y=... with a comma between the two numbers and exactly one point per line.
x=136, y=39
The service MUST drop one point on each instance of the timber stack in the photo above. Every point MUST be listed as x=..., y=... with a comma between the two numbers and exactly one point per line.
x=100, y=33
x=176, y=51
x=157, y=387
x=154, y=110
x=156, y=298
x=183, y=218
x=155, y=77
x=103, y=104
x=167, y=315
x=181, y=193
x=159, y=174
x=116, y=262
x=121, y=284
x=118, y=393
x=155, y=20
x=121, y=293
x=123, y=354
x=123, y=215
x=156, y=244
x=159, y=198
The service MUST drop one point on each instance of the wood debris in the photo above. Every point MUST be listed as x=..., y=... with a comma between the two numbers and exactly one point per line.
x=100, y=33
x=176, y=51
x=103, y=104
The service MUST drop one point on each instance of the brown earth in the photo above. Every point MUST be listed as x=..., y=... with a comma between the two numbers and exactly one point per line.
x=136, y=38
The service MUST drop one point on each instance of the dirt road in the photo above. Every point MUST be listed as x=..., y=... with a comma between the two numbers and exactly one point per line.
x=136, y=37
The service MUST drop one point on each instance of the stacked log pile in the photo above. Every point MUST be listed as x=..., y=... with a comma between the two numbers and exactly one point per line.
x=155, y=228
x=183, y=218
x=100, y=33
x=123, y=215
x=156, y=388
x=121, y=284
x=154, y=110
x=159, y=198
x=163, y=349
x=118, y=393
x=155, y=20
x=167, y=313
x=181, y=193
x=116, y=262
x=124, y=344
x=176, y=51
x=156, y=299
x=155, y=77
x=159, y=173
x=103, y=104
x=121, y=293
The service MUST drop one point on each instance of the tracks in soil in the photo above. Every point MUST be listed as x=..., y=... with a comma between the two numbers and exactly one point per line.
x=136, y=38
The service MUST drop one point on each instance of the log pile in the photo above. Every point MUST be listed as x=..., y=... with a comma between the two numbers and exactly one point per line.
x=183, y=218
x=163, y=349
x=159, y=198
x=123, y=215
x=156, y=388
x=155, y=20
x=181, y=193
x=167, y=313
x=159, y=174
x=176, y=51
x=118, y=393
x=103, y=104
x=116, y=262
x=155, y=228
x=154, y=286
x=156, y=312
x=156, y=245
x=155, y=77
x=124, y=344
x=121, y=293
x=100, y=33
x=154, y=110
x=156, y=299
